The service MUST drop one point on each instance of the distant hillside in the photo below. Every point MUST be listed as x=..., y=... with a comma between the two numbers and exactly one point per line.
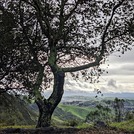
x=91, y=95
x=14, y=111
x=65, y=113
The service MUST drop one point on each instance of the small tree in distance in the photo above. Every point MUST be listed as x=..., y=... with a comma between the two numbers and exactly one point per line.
x=102, y=114
x=119, y=109
x=54, y=37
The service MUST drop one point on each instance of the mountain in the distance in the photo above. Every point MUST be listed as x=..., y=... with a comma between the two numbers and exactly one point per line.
x=75, y=95
x=102, y=95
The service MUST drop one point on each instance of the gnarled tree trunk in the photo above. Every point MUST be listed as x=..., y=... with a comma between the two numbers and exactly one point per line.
x=47, y=106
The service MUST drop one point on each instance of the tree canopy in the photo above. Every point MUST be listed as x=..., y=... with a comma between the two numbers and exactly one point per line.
x=61, y=34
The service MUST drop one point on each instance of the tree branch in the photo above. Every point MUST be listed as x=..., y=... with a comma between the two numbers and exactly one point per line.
x=103, y=47
x=26, y=35
x=40, y=17
x=62, y=21
x=108, y=25
x=3, y=90
x=37, y=6
x=82, y=67
x=72, y=11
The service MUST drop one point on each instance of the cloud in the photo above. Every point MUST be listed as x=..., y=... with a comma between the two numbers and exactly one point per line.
x=128, y=67
x=109, y=86
x=120, y=72
x=104, y=89
x=123, y=65
x=112, y=83
x=127, y=57
x=119, y=78
x=73, y=85
x=116, y=86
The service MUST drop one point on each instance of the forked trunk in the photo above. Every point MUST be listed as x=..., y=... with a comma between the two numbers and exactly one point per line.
x=47, y=106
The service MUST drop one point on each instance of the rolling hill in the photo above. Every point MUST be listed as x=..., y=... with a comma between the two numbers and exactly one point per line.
x=14, y=111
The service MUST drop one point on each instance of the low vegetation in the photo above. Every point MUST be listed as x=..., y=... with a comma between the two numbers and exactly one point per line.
x=18, y=126
x=125, y=125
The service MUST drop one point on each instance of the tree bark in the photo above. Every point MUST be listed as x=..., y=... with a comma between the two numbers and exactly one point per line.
x=47, y=106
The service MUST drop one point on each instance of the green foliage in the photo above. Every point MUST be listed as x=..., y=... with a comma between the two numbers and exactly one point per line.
x=72, y=123
x=119, y=109
x=102, y=113
x=84, y=125
x=129, y=115
x=78, y=124
x=125, y=125
x=18, y=126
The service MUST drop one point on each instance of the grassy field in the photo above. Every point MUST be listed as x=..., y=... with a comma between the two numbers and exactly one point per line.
x=126, y=126
x=18, y=126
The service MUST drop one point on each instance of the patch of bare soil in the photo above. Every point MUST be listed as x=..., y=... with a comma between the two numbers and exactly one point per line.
x=52, y=130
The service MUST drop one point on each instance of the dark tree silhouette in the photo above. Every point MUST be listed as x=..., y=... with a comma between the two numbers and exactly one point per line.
x=54, y=37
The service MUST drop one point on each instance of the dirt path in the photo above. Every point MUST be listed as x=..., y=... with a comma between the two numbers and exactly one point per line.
x=52, y=130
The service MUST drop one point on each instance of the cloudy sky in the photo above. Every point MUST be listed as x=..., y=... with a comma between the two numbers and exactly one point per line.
x=120, y=77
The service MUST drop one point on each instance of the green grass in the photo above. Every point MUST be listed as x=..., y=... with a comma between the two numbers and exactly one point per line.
x=125, y=125
x=85, y=125
x=18, y=126
x=57, y=120
x=78, y=116
x=80, y=112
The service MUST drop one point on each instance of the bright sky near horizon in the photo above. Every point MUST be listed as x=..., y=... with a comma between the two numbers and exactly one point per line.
x=120, y=77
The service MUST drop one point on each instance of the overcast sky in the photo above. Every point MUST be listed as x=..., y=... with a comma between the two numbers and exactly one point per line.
x=120, y=77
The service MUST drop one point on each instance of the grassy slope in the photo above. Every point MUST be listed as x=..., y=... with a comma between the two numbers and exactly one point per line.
x=65, y=113
x=125, y=125
x=80, y=112
x=14, y=111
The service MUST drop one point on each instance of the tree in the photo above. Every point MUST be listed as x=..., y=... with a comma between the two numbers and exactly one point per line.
x=119, y=108
x=129, y=115
x=102, y=113
x=93, y=116
x=6, y=44
x=54, y=37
